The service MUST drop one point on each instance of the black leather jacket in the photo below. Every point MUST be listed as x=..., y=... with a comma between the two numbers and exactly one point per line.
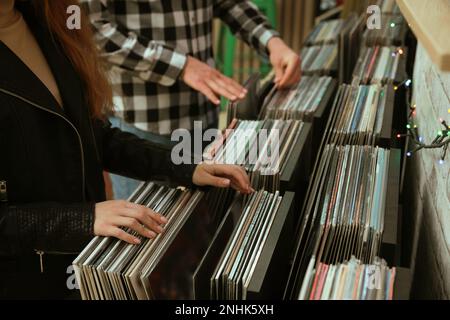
x=51, y=159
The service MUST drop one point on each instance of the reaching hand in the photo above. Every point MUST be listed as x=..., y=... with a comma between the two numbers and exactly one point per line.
x=210, y=82
x=222, y=176
x=111, y=216
x=286, y=63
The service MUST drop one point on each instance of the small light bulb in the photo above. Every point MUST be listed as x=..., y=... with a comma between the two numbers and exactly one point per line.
x=409, y=154
x=392, y=25
x=395, y=88
x=408, y=126
x=408, y=83
x=441, y=162
x=400, y=51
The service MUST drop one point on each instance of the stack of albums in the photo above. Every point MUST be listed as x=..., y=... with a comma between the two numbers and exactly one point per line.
x=383, y=65
x=249, y=256
x=326, y=32
x=301, y=102
x=351, y=280
x=320, y=60
x=110, y=269
x=334, y=45
x=264, y=148
x=344, y=213
x=362, y=115
x=236, y=267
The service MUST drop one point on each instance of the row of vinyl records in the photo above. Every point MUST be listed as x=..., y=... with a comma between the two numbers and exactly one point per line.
x=247, y=256
x=361, y=114
x=390, y=31
x=333, y=46
x=339, y=235
x=188, y=260
x=263, y=148
x=342, y=226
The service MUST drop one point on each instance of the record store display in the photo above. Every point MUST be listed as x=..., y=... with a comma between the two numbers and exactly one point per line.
x=321, y=243
x=262, y=147
x=380, y=65
x=110, y=269
x=300, y=102
x=351, y=280
x=320, y=60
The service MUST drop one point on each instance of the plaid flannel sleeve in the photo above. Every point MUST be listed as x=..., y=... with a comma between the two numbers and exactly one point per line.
x=148, y=60
x=246, y=22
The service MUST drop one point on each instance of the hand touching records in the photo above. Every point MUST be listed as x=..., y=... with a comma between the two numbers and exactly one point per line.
x=110, y=216
x=222, y=176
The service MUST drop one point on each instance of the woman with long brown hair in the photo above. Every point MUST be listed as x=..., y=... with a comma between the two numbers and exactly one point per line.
x=55, y=142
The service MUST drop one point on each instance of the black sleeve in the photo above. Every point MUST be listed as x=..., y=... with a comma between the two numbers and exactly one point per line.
x=45, y=226
x=127, y=155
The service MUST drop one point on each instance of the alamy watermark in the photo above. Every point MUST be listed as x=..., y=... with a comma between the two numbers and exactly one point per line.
x=258, y=147
x=73, y=21
x=374, y=19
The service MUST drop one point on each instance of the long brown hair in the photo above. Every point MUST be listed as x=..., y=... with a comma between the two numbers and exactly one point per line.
x=81, y=50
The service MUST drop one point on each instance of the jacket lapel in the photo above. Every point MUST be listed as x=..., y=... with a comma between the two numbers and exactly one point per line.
x=68, y=82
x=17, y=78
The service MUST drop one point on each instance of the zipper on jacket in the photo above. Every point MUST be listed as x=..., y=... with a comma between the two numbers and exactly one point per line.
x=41, y=259
x=41, y=254
x=66, y=120
x=3, y=192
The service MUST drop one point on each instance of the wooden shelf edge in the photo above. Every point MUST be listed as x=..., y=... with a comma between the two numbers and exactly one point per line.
x=424, y=19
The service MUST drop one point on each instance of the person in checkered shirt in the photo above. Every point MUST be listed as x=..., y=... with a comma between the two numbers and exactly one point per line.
x=160, y=56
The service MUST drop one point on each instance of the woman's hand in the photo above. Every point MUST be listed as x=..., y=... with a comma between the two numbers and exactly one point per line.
x=286, y=63
x=110, y=216
x=222, y=176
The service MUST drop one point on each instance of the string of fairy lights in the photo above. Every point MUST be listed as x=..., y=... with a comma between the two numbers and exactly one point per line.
x=416, y=142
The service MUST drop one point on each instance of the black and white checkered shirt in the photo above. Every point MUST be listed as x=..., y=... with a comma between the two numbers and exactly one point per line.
x=146, y=43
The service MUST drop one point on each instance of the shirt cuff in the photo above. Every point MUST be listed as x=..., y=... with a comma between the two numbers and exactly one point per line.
x=168, y=65
x=264, y=39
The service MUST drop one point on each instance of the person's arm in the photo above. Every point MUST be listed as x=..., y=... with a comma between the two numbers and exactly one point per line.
x=45, y=226
x=246, y=22
x=249, y=24
x=149, y=60
x=127, y=155
x=67, y=228
x=155, y=61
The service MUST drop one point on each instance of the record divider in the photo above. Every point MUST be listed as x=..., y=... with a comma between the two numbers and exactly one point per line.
x=390, y=243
